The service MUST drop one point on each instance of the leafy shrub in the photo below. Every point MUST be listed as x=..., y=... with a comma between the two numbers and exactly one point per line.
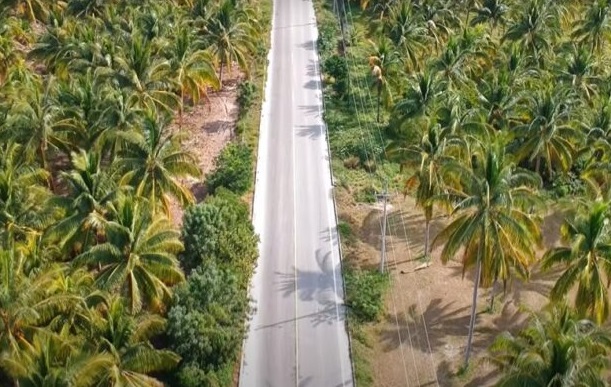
x=190, y=375
x=206, y=320
x=352, y=162
x=337, y=67
x=346, y=233
x=566, y=184
x=246, y=96
x=326, y=37
x=365, y=195
x=219, y=230
x=233, y=169
x=364, y=294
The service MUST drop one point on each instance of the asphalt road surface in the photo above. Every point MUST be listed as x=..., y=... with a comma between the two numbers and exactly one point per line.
x=297, y=336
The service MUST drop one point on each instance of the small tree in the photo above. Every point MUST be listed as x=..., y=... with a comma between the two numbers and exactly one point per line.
x=233, y=169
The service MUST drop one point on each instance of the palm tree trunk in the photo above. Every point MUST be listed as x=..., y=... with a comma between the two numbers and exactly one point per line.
x=221, y=75
x=478, y=274
x=538, y=166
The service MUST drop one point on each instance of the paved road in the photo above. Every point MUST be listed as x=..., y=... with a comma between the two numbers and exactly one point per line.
x=297, y=336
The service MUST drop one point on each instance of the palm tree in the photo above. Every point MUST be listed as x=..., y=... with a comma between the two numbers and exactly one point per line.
x=231, y=38
x=146, y=76
x=581, y=71
x=192, y=69
x=26, y=303
x=406, y=32
x=126, y=339
x=594, y=27
x=587, y=261
x=491, y=11
x=22, y=194
x=383, y=64
x=547, y=134
x=491, y=199
x=152, y=162
x=56, y=360
x=498, y=99
x=39, y=123
x=87, y=206
x=419, y=99
x=427, y=157
x=138, y=258
x=556, y=349
x=535, y=28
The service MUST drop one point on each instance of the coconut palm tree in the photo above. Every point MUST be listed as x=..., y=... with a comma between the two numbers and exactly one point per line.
x=594, y=27
x=126, y=340
x=555, y=349
x=152, y=162
x=497, y=98
x=383, y=64
x=87, y=207
x=546, y=136
x=138, y=258
x=581, y=72
x=38, y=122
x=535, y=28
x=146, y=76
x=492, y=199
x=57, y=360
x=192, y=68
x=427, y=158
x=491, y=11
x=22, y=194
x=231, y=37
x=420, y=98
x=587, y=261
x=406, y=31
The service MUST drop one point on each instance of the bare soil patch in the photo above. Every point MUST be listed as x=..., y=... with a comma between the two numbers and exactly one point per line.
x=208, y=127
x=421, y=339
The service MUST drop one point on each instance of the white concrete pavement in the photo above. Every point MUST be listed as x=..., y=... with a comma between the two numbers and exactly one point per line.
x=297, y=336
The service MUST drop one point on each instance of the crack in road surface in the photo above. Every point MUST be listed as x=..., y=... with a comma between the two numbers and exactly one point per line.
x=297, y=335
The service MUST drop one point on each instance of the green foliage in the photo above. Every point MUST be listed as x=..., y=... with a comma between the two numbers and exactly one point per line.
x=206, y=321
x=365, y=294
x=346, y=233
x=234, y=169
x=337, y=68
x=219, y=230
x=246, y=96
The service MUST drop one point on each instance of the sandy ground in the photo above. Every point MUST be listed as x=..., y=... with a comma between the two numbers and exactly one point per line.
x=209, y=126
x=421, y=339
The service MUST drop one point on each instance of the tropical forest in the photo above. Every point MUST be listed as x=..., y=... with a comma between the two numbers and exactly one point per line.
x=116, y=270
x=486, y=126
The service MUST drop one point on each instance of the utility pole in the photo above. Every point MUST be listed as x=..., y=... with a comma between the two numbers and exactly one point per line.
x=384, y=196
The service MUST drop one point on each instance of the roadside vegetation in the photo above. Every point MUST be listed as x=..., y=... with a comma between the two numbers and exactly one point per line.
x=490, y=113
x=99, y=287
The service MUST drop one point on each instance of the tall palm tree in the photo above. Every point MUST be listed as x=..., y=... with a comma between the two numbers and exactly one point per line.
x=546, y=137
x=384, y=71
x=192, y=68
x=146, y=76
x=39, y=123
x=56, y=360
x=491, y=11
x=420, y=98
x=231, y=38
x=152, y=162
x=138, y=258
x=535, y=28
x=556, y=349
x=492, y=199
x=427, y=157
x=406, y=31
x=87, y=206
x=587, y=261
x=595, y=26
x=498, y=99
x=126, y=339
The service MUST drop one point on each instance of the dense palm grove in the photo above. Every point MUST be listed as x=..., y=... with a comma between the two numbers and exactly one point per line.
x=98, y=286
x=496, y=110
